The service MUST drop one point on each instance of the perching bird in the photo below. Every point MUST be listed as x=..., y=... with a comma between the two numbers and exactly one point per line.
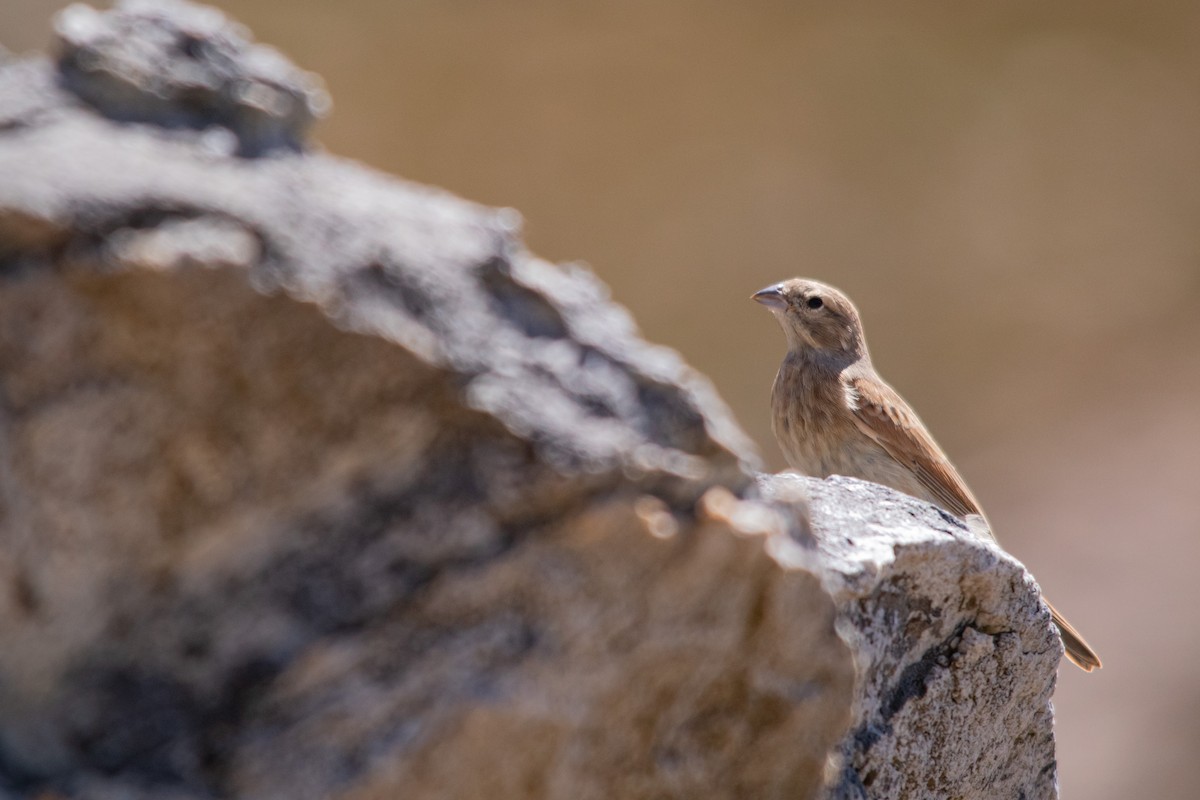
x=834, y=415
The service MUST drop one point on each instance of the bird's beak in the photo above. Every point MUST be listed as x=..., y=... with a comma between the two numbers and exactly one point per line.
x=771, y=297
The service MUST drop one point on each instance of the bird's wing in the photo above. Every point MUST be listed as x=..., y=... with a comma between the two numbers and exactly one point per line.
x=883, y=415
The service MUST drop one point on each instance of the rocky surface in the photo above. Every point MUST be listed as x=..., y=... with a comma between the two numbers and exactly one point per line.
x=314, y=483
x=945, y=704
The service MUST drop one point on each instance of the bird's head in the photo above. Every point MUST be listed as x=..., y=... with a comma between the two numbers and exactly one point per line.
x=816, y=317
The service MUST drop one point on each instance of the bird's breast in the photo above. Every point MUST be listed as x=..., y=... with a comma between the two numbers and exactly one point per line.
x=814, y=423
x=811, y=418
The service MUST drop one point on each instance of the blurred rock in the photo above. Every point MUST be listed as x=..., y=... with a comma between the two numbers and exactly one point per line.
x=180, y=65
x=316, y=484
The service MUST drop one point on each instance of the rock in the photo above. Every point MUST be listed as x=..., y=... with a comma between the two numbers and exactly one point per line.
x=178, y=65
x=952, y=697
x=317, y=484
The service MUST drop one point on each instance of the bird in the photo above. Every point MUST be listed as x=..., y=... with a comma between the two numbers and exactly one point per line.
x=833, y=415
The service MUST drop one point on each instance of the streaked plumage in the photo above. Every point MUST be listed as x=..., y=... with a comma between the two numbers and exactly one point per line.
x=833, y=415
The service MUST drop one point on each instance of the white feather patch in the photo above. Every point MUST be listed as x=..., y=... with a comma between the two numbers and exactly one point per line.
x=851, y=395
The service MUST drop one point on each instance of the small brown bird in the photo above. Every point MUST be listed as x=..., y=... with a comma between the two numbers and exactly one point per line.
x=834, y=415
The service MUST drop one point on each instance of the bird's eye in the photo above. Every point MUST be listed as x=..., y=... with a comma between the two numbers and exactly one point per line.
x=814, y=302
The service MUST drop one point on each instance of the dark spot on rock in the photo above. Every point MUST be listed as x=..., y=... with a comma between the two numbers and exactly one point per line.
x=25, y=596
x=914, y=680
x=191, y=46
x=195, y=646
x=597, y=406
x=671, y=420
x=529, y=311
x=136, y=722
x=243, y=685
x=382, y=278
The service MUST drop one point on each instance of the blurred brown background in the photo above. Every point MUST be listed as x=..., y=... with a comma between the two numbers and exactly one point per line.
x=1010, y=192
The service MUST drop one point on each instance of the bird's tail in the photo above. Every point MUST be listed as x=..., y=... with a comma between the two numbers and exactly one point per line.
x=1078, y=650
